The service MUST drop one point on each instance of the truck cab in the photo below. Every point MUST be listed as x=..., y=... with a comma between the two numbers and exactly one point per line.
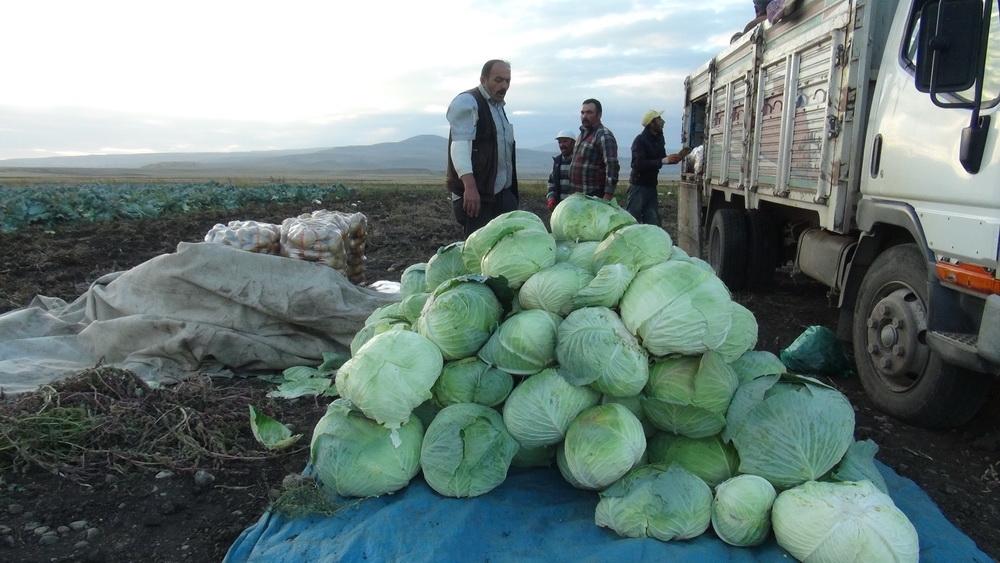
x=853, y=141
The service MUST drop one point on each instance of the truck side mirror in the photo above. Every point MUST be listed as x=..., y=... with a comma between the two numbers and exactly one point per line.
x=949, y=45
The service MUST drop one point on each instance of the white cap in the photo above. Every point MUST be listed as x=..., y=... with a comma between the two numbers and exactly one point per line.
x=566, y=134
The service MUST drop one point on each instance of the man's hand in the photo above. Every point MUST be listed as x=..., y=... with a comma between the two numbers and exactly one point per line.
x=672, y=159
x=608, y=196
x=551, y=204
x=470, y=199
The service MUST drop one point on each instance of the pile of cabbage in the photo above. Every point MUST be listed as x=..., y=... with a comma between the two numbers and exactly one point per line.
x=602, y=348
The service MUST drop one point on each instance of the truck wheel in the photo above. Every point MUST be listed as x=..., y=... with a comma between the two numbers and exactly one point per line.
x=899, y=372
x=762, y=253
x=727, y=247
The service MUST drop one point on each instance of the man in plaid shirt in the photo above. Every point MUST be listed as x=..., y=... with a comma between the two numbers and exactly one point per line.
x=594, y=170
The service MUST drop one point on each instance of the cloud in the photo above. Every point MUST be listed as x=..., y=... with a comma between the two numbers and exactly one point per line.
x=227, y=75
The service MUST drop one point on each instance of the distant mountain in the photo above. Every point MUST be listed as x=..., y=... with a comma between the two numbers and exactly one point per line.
x=421, y=154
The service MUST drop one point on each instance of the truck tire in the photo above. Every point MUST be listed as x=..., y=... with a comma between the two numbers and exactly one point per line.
x=762, y=251
x=899, y=372
x=727, y=247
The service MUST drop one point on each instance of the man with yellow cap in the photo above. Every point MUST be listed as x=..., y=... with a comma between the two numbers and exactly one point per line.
x=648, y=156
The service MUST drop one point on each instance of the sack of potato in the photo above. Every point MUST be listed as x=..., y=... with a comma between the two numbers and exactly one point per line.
x=329, y=237
x=262, y=238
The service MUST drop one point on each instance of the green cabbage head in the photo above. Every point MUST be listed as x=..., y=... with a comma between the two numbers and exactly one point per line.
x=519, y=255
x=525, y=343
x=471, y=380
x=789, y=429
x=666, y=502
x=413, y=279
x=602, y=444
x=594, y=347
x=579, y=254
x=466, y=450
x=851, y=521
x=553, y=288
x=479, y=243
x=689, y=395
x=446, y=263
x=741, y=511
x=540, y=409
x=709, y=458
x=582, y=217
x=390, y=376
x=637, y=246
x=459, y=316
x=355, y=456
x=675, y=307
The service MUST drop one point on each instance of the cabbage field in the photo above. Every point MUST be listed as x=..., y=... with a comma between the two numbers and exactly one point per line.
x=52, y=204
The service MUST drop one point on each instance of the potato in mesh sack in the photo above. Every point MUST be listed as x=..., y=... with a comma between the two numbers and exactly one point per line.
x=252, y=236
x=330, y=237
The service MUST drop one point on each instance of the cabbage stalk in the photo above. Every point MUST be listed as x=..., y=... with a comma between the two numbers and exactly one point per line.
x=850, y=521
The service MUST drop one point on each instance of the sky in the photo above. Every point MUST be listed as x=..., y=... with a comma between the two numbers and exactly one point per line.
x=121, y=77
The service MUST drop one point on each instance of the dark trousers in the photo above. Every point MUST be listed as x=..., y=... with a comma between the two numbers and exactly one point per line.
x=644, y=204
x=502, y=203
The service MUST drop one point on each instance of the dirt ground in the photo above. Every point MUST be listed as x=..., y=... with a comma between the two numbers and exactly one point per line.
x=141, y=517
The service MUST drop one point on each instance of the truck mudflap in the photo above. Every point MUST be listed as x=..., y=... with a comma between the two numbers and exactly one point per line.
x=977, y=352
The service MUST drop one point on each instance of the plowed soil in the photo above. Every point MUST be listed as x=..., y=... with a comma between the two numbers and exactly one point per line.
x=140, y=517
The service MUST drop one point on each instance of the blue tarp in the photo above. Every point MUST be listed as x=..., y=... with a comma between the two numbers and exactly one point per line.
x=535, y=515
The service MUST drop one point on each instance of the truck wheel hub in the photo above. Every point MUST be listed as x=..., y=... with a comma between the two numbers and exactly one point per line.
x=895, y=327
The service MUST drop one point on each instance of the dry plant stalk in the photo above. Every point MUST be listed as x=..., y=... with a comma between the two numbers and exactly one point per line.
x=108, y=419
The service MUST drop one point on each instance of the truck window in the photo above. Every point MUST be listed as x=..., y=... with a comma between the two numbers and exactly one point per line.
x=991, y=86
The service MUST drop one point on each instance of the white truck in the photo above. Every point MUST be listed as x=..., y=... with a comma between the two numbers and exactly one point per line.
x=853, y=142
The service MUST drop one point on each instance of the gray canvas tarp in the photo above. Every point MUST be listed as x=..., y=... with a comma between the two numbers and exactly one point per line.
x=206, y=308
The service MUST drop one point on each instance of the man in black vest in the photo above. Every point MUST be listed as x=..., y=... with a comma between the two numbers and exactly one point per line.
x=481, y=175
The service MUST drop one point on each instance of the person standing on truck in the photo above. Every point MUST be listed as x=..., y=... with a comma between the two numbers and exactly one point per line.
x=481, y=175
x=594, y=170
x=648, y=156
x=558, y=184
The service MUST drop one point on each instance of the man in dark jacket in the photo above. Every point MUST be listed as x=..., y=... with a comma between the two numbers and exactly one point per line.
x=648, y=156
x=559, y=186
x=481, y=174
